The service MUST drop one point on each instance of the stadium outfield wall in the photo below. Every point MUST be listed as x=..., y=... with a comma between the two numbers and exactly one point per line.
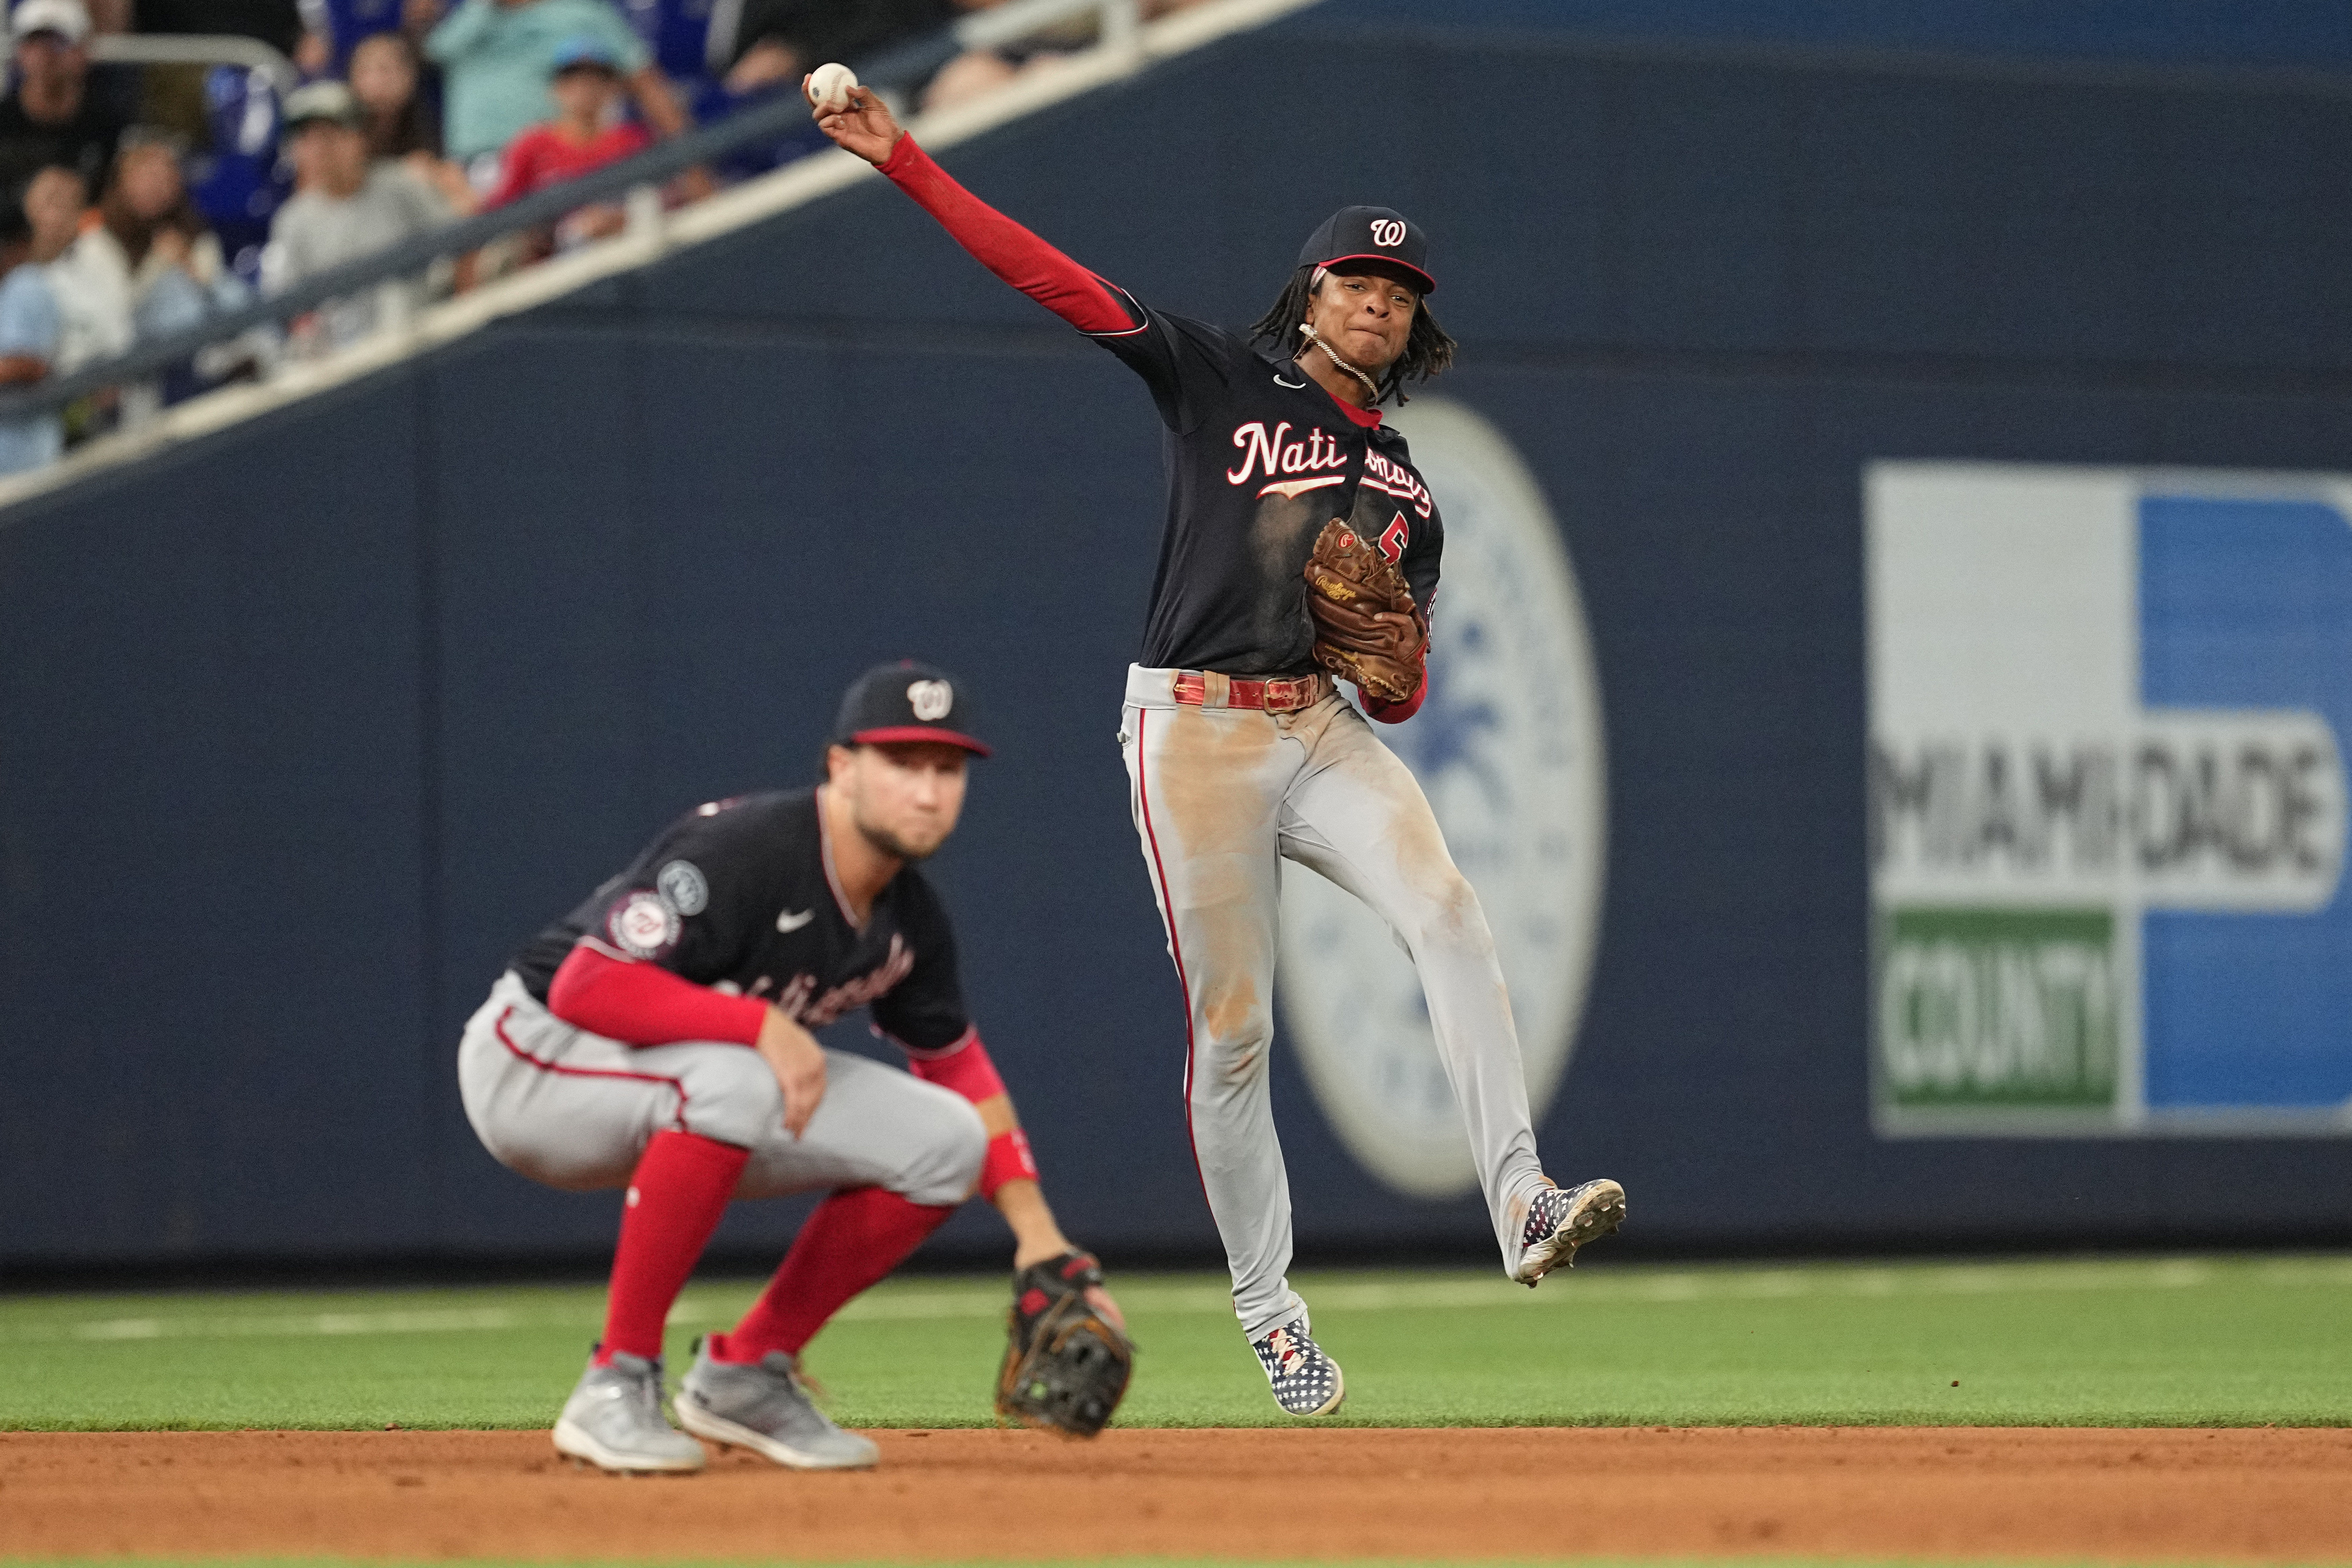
x=310, y=721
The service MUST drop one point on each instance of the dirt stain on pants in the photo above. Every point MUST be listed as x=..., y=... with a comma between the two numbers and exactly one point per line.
x=1221, y=797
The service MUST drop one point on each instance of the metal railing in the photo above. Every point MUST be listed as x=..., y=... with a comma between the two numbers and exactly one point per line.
x=644, y=172
x=195, y=49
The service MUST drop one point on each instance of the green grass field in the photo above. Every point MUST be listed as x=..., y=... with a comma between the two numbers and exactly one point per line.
x=2191, y=1340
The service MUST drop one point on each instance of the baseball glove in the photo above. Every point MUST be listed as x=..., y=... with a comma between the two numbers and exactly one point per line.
x=1367, y=627
x=1066, y=1365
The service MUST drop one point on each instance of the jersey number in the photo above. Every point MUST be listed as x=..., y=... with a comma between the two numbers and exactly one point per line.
x=1393, y=542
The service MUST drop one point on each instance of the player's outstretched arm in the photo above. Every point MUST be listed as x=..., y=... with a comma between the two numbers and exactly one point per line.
x=867, y=127
x=1036, y=1236
x=1067, y=1358
x=1008, y=1174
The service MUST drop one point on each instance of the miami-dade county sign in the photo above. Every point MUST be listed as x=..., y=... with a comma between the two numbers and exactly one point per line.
x=2108, y=711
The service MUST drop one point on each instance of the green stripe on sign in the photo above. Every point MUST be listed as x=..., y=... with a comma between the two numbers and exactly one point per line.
x=1997, y=1007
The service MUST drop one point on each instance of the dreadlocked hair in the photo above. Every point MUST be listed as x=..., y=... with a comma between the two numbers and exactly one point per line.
x=1428, y=348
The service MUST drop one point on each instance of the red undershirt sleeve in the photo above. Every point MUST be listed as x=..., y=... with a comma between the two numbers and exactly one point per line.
x=963, y=1066
x=1398, y=712
x=646, y=1004
x=1006, y=248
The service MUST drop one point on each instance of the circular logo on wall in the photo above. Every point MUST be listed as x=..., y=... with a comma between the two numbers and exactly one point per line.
x=1508, y=747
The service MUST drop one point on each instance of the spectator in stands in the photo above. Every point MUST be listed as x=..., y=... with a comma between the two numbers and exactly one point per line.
x=387, y=79
x=34, y=232
x=495, y=58
x=345, y=206
x=583, y=135
x=50, y=116
x=148, y=267
x=384, y=78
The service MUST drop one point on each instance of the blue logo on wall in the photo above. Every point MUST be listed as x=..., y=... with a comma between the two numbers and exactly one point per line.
x=2246, y=604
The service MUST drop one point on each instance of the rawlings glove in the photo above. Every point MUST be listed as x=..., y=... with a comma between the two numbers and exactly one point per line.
x=1066, y=1365
x=1367, y=627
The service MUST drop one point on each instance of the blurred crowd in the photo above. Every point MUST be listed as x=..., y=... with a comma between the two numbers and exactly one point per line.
x=135, y=199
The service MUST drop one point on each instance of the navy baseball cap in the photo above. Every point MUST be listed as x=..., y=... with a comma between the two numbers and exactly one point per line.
x=1372, y=234
x=906, y=701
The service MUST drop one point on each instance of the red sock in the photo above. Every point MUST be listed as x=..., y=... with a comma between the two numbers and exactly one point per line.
x=682, y=1187
x=853, y=1238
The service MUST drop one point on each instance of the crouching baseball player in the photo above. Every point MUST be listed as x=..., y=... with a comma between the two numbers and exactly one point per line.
x=657, y=1038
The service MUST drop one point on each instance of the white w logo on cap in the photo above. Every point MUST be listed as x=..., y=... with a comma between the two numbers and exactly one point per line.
x=931, y=699
x=1387, y=232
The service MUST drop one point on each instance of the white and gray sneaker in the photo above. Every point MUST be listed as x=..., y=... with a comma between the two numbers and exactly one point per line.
x=763, y=1406
x=1305, y=1381
x=614, y=1420
x=1560, y=1220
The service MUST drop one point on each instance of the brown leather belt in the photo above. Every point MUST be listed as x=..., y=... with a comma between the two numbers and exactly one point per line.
x=1283, y=694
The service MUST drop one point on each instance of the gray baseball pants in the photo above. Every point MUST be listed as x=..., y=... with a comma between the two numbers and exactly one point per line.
x=575, y=1110
x=1222, y=796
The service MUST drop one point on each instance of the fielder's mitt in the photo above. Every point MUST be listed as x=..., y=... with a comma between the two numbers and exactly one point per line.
x=1367, y=627
x=1066, y=1367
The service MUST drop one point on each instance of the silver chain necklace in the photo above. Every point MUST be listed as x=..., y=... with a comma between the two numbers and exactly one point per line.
x=1309, y=333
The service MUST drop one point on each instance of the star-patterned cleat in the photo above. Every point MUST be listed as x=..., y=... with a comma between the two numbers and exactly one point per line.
x=1560, y=1220
x=1305, y=1381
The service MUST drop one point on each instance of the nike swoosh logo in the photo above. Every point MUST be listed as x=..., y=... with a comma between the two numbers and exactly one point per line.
x=1294, y=385
x=1292, y=489
x=789, y=922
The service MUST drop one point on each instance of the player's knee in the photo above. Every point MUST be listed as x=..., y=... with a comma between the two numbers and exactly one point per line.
x=1446, y=913
x=944, y=1164
x=731, y=1096
x=1235, y=1031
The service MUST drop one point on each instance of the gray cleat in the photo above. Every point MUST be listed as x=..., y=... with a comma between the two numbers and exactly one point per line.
x=761, y=1405
x=1561, y=1220
x=614, y=1420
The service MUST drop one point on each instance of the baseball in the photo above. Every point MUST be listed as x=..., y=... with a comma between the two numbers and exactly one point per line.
x=829, y=86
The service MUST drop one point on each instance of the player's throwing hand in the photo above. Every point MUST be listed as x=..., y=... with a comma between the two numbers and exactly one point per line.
x=867, y=127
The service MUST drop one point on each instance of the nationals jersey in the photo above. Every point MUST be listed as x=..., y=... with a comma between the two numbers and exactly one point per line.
x=1259, y=457
x=740, y=896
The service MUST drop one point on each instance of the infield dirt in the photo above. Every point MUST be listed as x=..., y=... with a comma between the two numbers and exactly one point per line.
x=2083, y=1493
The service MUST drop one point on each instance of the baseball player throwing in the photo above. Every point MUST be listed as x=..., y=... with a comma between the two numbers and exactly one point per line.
x=657, y=1038
x=1299, y=542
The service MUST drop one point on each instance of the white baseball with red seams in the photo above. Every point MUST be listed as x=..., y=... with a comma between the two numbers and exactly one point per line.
x=829, y=87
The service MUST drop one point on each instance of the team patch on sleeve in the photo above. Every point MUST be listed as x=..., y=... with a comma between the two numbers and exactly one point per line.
x=682, y=883
x=642, y=924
